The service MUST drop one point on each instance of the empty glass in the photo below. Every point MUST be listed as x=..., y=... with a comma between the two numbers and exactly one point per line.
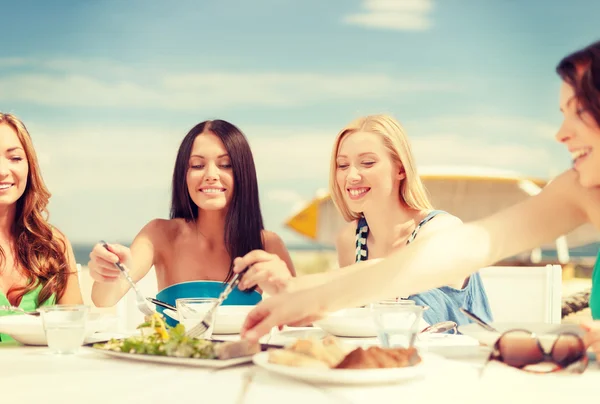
x=397, y=322
x=192, y=310
x=64, y=326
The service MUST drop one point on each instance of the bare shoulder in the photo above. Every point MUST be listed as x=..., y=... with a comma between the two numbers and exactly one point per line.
x=345, y=237
x=568, y=181
x=439, y=222
x=587, y=199
x=59, y=235
x=345, y=244
x=274, y=245
x=159, y=235
x=445, y=219
x=272, y=241
x=163, y=228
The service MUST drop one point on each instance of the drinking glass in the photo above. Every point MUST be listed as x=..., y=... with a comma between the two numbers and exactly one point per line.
x=64, y=326
x=191, y=311
x=397, y=322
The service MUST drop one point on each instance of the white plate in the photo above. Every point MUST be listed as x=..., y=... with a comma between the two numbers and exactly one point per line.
x=171, y=360
x=229, y=319
x=290, y=335
x=489, y=338
x=356, y=322
x=29, y=330
x=342, y=376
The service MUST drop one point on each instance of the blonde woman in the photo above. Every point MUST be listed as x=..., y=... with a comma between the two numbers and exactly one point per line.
x=375, y=186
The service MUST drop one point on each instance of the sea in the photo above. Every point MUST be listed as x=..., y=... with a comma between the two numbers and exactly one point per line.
x=589, y=251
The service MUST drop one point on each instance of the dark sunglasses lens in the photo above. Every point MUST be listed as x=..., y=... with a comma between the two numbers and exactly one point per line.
x=519, y=348
x=567, y=349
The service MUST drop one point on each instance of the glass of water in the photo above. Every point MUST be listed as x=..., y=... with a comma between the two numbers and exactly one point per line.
x=191, y=311
x=64, y=326
x=397, y=322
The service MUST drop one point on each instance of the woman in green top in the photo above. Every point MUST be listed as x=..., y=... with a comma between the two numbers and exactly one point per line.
x=569, y=201
x=37, y=265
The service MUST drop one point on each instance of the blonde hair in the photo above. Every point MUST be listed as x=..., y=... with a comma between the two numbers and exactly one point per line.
x=412, y=190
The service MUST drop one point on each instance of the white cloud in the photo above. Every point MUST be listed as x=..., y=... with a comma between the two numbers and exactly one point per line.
x=13, y=62
x=291, y=154
x=497, y=127
x=454, y=149
x=93, y=83
x=401, y=15
x=97, y=158
x=508, y=142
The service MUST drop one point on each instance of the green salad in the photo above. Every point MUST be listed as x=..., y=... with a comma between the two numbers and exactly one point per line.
x=159, y=339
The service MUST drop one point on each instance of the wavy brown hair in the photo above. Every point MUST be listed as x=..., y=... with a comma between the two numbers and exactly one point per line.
x=581, y=70
x=39, y=253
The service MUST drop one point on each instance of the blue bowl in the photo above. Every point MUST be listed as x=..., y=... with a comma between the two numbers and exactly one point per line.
x=198, y=289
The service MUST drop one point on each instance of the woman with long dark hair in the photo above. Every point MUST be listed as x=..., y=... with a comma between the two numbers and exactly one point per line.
x=37, y=265
x=215, y=216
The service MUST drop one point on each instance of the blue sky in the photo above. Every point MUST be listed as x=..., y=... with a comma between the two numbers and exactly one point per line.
x=109, y=88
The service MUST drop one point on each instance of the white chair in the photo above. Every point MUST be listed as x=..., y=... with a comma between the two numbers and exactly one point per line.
x=524, y=294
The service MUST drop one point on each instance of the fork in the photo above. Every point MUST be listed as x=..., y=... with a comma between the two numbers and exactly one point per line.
x=19, y=310
x=206, y=322
x=479, y=321
x=139, y=298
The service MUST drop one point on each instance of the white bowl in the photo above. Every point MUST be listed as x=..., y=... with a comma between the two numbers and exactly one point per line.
x=29, y=330
x=229, y=319
x=355, y=322
x=489, y=338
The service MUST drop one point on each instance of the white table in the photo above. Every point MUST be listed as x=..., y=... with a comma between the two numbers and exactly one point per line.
x=34, y=375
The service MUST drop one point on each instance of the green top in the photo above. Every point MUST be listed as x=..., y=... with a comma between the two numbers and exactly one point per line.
x=595, y=295
x=28, y=303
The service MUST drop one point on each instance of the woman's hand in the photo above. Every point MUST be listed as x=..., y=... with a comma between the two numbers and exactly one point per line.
x=267, y=271
x=592, y=335
x=294, y=309
x=102, y=262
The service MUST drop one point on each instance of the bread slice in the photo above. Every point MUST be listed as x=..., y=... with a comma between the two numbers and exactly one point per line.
x=316, y=350
x=296, y=359
x=358, y=359
x=376, y=357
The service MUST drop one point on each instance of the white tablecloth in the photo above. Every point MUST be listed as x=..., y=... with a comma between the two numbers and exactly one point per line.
x=34, y=375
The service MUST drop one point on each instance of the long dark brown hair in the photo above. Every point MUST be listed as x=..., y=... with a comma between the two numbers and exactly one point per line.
x=243, y=222
x=581, y=70
x=39, y=253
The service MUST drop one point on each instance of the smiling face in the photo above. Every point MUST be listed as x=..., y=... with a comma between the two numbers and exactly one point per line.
x=209, y=175
x=14, y=167
x=580, y=133
x=366, y=174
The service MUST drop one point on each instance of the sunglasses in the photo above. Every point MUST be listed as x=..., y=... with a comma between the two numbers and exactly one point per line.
x=528, y=351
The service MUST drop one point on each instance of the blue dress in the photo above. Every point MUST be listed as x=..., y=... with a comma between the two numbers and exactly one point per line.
x=445, y=302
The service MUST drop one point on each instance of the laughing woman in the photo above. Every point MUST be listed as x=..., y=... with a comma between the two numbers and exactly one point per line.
x=215, y=216
x=375, y=186
x=37, y=265
x=569, y=201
